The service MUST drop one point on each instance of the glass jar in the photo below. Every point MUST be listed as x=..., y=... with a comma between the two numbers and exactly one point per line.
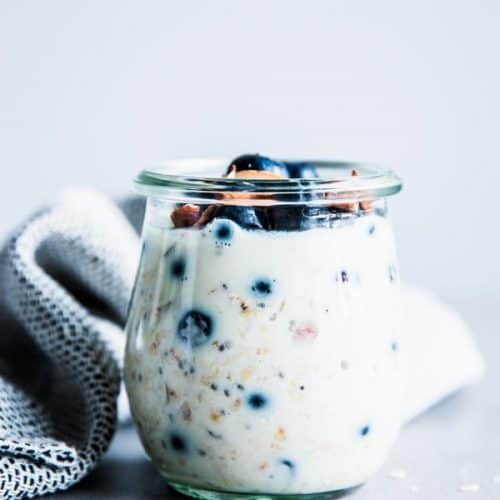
x=262, y=338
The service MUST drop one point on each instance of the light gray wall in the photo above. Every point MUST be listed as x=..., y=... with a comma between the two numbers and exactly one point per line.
x=92, y=91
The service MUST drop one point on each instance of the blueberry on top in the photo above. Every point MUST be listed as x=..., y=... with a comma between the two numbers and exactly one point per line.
x=257, y=400
x=257, y=162
x=280, y=217
x=178, y=268
x=301, y=170
x=262, y=287
x=245, y=217
x=195, y=328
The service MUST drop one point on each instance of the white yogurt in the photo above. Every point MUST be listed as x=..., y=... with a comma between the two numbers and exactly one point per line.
x=266, y=361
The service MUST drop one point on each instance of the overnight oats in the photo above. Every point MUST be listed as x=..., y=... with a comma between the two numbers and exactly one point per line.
x=262, y=351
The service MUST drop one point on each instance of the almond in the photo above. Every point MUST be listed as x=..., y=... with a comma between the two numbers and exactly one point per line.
x=206, y=216
x=185, y=216
x=256, y=174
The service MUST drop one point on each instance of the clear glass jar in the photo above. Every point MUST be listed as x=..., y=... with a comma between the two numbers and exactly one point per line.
x=262, y=338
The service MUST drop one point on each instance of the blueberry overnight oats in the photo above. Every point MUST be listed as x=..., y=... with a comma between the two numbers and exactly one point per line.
x=262, y=352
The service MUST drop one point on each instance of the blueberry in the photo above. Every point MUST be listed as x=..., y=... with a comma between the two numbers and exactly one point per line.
x=257, y=162
x=178, y=443
x=245, y=217
x=280, y=217
x=394, y=346
x=178, y=268
x=364, y=430
x=195, y=328
x=262, y=287
x=257, y=401
x=288, y=463
x=223, y=231
x=301, y=170
x=372, y=229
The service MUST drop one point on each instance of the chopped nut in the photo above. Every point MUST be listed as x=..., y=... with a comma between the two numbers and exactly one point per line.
x=245, y=374
x=366, y=205
x=206, y=216
x=280, y=434
x=215, y=417
x=353, y=207
x=257, y=174
x=306, y=331
x=169, y=393
x=345, y=207
x=186, y=411
x=185, y=216
x=153, y=347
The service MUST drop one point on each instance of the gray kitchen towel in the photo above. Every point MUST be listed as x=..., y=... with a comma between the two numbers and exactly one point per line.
x=65, y=280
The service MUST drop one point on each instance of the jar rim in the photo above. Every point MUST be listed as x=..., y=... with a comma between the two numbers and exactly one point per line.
x=202, y=177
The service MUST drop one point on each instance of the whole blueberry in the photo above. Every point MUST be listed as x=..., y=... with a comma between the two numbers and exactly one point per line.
x=364, y=431
x=257, y=162
x=288, y=463
x=280, y=217
x=177, y=442
x=262, y=287
x=301, y=170
x=178, y=268
x=223, y=231
x=257, y=401
x=195, y=328
x=245, y=217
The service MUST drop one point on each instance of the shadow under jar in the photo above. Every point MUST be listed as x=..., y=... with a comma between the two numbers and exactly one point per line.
x=262, y=338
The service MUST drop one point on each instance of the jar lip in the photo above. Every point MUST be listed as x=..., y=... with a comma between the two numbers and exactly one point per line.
x=202, y=176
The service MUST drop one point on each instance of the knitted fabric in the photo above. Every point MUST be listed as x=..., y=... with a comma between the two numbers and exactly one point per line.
x=65, y=281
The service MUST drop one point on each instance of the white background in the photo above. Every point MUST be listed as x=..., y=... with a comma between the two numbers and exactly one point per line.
x=92, y=91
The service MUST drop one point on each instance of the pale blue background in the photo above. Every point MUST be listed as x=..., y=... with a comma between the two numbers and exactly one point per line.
x=91, y=91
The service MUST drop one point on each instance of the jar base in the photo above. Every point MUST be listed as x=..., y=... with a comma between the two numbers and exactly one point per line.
x=203, y=494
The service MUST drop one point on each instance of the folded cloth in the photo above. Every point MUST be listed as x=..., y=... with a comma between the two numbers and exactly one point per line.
x=65, y=280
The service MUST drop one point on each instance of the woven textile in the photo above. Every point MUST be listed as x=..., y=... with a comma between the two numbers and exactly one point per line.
x=65, y=280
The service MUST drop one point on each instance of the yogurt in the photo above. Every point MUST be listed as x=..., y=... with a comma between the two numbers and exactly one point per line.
x=266, y=361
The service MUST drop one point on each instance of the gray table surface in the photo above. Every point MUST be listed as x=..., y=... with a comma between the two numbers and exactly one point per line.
x=450, y=452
